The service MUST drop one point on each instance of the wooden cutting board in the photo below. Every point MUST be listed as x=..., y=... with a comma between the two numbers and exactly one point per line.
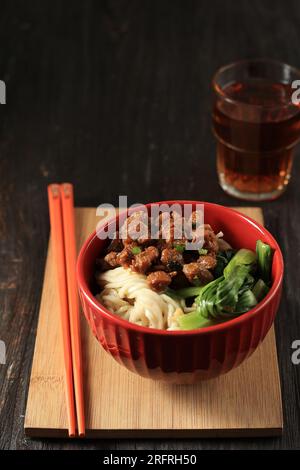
x=244, y=402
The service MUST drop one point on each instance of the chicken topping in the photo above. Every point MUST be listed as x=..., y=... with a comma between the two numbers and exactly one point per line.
x=165, y=260
x=210, y=239
x=143, y=261
x=159, y=280
x=207, y=261
x=196, y=274
x=112, y=259
x=172, y=259
x=136, y=228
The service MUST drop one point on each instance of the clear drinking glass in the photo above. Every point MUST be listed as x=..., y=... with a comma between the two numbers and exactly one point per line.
x=257, y=127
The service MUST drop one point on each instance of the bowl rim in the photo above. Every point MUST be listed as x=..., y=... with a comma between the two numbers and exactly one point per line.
x=103, y=311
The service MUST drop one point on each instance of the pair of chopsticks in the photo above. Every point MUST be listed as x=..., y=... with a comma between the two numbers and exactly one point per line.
x=61, y=209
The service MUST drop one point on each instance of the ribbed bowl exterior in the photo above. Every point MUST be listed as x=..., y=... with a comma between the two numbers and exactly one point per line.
x=181, y=359
x=184, y=357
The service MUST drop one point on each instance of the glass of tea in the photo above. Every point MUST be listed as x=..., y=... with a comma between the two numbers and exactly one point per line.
x=257, y=127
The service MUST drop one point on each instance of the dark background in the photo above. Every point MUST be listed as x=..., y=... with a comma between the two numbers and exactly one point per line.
x=114, y=96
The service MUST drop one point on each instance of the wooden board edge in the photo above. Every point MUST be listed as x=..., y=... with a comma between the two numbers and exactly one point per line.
x=158, y=433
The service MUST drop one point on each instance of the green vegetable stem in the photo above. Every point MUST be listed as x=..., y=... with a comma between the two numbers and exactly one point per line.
x=264, y=259
x=193, y=320
x=260, y=290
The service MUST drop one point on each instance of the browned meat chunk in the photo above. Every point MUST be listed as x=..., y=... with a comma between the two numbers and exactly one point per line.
x=112, y=259
x=165, y=260
x=191, y=271
x=210, y=239
x=172, y=259
x=197, y=274
x=136, y=227
x=170, y=227
x=159, y=280
x=126, y=256
x=207, y=261
x=143, y=261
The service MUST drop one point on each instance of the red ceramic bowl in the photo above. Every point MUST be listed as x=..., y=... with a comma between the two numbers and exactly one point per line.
x=185, y=356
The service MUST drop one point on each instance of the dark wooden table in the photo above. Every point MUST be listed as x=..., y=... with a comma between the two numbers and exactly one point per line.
x=114, y=96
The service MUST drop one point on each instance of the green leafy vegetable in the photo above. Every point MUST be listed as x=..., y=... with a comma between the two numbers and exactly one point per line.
x=247, y=300
x=243, y=257
x=248, y=284
x=264, y=259
x=229, y=289
x=136, y=250
x=203, y=251
x=219, y=298
x=223, y=258
x=187, y=292
x=242, y=279
x=260, y=290
x=206, y=299
x=193, y=320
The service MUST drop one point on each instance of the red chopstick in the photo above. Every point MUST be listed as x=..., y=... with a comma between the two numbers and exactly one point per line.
x=57, y=240
x=67, y=198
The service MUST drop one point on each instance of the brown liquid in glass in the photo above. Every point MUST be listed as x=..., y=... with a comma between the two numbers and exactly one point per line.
x=255, y=143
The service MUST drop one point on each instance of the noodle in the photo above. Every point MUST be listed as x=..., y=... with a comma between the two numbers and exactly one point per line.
x=128, y=295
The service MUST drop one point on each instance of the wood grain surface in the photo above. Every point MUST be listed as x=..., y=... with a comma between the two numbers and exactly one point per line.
x=114, y=96
x=245, y=402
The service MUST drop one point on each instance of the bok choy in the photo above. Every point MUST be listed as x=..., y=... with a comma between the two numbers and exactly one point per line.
x=243, y=282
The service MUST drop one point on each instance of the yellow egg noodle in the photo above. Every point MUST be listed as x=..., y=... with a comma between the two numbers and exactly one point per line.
x=128, y=295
